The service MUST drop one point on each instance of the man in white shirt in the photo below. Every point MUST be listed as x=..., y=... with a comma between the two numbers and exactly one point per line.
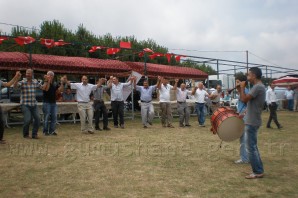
x=85, y=109
x=200, y=94
x=165, y=102
x=117, y=101
x=272, y=103
x=182, y=108
x=215, y=98
x=290, y=97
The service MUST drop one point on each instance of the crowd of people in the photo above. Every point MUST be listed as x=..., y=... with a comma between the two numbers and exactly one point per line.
x=250, y=106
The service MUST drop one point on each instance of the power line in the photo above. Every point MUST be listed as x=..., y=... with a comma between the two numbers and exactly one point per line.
x=263, y=59
x=9, y=24
x=217, y=51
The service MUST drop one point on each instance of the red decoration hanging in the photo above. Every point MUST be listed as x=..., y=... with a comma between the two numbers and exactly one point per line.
x=126, y=45
x=3, y=38
x=112, y=51
x=61, y=43
x=24, y=40
x=94, y=48
x=49, y=43
x=148, y=50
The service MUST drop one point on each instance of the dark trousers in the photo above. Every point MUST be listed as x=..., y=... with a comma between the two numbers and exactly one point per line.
x=273, y=115
x=100, y=110
x=118, y=110
x=1, y=124
x=30, y=112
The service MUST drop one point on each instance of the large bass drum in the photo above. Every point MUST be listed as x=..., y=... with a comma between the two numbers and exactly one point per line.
x=227, y=124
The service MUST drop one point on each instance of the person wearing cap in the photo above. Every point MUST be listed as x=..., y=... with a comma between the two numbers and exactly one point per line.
x=49, y=106
x=147, y=109
x=164, y=89
x=182, y=107
x=85, y=108
x=6, y=84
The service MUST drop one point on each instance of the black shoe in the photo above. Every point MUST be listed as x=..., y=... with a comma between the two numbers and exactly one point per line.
x=26, y=136
x=2, y=142
x=35, y=137
x=46, y=134
x=106, y=128
x=181, y=125
x=269, y=127
x=54, y=133
x=145, y=127
x=98, y=129
x=150, y=123
x=280, y=127
x=188, y=125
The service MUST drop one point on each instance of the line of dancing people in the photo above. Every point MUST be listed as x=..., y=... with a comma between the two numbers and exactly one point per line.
x=88, y=111
x=252, y=102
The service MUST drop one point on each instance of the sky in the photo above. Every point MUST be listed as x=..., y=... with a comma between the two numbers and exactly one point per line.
x=268, y=29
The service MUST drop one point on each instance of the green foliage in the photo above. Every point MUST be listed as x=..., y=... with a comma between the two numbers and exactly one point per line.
x=203, y=67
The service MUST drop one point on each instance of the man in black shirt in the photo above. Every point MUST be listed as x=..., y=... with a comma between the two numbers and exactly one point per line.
x=49, y=107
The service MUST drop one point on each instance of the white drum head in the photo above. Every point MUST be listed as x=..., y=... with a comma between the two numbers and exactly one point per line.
x=230, y=129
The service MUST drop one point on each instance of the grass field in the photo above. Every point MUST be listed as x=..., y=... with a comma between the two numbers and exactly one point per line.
x=153, y=162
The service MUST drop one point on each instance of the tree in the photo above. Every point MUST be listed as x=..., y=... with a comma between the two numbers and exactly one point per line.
x=203, y=67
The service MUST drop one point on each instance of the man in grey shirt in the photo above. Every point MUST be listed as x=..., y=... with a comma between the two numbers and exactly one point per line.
x=255, y=100
x=99, y=105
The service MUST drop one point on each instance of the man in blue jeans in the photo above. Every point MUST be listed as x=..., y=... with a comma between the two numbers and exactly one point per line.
x=49, y=106
x=200, y=94
x=255, y=100
x=28, y=102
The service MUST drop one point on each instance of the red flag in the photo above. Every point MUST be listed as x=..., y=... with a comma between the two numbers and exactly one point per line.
x=179, y=57
x=94, y=48
x=49, y=43
x=169, y=56
x=157, y=54
x=126, y=45
x=148, y=50
x=111, y=51
x=61, y=43
x=3, y=38
x=24, y=40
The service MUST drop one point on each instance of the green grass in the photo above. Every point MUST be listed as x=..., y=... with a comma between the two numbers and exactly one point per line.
x=153, y=162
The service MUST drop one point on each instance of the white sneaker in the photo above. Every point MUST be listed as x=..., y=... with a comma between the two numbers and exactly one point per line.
x=240, y=161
